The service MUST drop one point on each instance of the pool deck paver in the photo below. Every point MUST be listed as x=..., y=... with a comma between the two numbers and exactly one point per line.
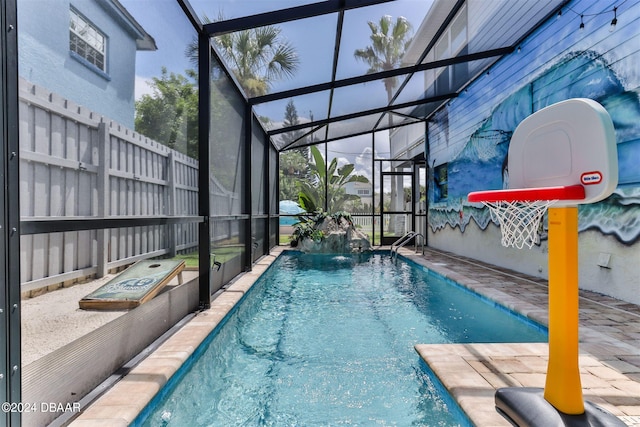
x=609, y=357
x=609, y=348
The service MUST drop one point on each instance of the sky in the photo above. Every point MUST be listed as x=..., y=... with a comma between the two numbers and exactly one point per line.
x=312, y=38
x=171, y=31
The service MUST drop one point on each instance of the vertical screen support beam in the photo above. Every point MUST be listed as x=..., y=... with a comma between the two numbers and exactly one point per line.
x=247, y=198
x=415, y=194
x=277, y=191
x=373, y=189
x=10, y=366
x=266, y=205
x=326, y=178
x=204, y=208
x=426, y=184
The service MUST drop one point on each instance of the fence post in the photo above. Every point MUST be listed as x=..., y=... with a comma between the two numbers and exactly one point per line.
x=171, y=205
x=103, y=197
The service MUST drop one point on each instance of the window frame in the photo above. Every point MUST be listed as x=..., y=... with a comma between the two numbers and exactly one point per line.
x=88, y=46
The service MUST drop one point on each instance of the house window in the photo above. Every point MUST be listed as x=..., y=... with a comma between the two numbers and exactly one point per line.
x=453, y=42
x=87, y=41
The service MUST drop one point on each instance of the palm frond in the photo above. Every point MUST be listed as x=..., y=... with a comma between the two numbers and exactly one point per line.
x=389, y=41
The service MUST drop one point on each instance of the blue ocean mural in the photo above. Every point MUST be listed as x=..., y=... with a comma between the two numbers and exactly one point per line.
x=481, y=164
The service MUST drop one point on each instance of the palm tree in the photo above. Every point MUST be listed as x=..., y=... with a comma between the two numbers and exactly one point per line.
x=389, y=40
x=258, y=56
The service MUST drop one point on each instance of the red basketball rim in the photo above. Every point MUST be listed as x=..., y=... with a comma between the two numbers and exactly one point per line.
x=570, y=192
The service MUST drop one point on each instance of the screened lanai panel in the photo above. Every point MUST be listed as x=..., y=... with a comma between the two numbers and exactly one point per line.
x=423, y=33
x=357, y=32
x=229, y=228
x=294, y=138
x=425, y=84
x=381, y=146
x=399, y=118
x=313, y=42
x=235, y=9
x=441, y=81
x=412, y=89
x=408, y=140
x=413, y=113
x=100, y=135
x=478, y=27
x=259, y=238
x=293, y=111
x=292, y=59
x=227, y=237
x=504, y=22
x=102, y=138
x=226, y=159
x=364, y=96
x=311, y=135
x=258, y=169
x=422, y=110
x=353, y=126
x=273, y=180
x=353, y=192
x=273, y=196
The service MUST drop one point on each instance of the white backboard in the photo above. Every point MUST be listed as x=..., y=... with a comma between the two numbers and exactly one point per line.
x=568, y=143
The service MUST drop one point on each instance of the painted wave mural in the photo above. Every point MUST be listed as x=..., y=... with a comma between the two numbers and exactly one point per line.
x=480, y=165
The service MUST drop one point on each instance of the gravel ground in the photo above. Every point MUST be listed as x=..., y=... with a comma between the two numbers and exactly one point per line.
x=54, y=319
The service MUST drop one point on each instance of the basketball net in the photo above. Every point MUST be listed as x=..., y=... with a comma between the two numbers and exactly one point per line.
x=519, y=220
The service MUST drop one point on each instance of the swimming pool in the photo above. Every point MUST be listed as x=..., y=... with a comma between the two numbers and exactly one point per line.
x=322, y=340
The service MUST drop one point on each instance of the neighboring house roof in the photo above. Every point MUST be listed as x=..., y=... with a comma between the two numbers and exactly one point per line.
x=144, y=41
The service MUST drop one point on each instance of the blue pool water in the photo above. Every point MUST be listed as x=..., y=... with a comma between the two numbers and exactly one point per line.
x=322, y=340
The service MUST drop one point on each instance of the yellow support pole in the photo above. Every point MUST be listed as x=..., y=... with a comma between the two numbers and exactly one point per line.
x=563, y=388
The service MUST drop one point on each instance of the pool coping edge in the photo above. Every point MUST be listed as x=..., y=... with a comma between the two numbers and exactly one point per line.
x=123, y=403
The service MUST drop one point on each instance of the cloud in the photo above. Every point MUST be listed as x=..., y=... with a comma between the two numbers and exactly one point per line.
x=143, y=87
x=363, y=163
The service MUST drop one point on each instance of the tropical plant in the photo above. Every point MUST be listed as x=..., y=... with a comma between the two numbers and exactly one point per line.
x=309, y=224
x=305, y=230
x=311, y=196
x=340, y=216
x=389, y=41
x=307, y=227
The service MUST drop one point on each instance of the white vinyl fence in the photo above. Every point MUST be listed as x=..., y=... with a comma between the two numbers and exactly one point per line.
x=75, y=164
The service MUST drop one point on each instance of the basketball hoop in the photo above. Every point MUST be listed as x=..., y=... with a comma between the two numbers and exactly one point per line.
x=563, y=155
x=519, y=221
x=519, y=212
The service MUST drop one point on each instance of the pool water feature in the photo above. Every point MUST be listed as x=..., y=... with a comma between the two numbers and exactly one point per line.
x=322, y=340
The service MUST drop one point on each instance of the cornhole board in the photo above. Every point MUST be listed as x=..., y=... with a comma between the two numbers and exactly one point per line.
x=134, y=286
